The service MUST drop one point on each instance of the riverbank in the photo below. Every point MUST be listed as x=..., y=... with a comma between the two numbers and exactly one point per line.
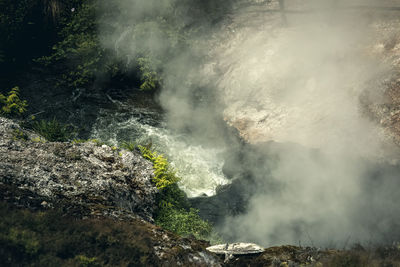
x=85, y=204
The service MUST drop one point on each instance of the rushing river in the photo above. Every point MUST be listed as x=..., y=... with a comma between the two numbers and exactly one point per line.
x=200, y=168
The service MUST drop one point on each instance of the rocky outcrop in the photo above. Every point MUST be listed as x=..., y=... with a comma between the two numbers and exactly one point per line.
x=106, y=181
x=104, y=189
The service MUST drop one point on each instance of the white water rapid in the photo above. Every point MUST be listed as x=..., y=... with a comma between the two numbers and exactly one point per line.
x=200, y=168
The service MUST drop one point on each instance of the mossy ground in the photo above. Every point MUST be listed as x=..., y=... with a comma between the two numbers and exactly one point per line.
x=49, y=238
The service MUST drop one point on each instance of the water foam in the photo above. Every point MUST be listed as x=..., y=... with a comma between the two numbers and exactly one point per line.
x=200, y=168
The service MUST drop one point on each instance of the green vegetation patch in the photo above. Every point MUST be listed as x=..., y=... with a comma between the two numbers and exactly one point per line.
x=87, y=262
x=53, y=130
x=20, y=135
x=52, y=239
x=184, y=222
x=164, y=175
x=79, y=51
x=174, y=212
x=11, y=104
x=128, y=145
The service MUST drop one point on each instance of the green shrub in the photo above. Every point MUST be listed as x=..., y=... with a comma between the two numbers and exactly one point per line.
x=11, y=104
x=183, y=222
x=53, y=130
x=79, y=46
x=85, y=60
x=173, y=212
x=149, y=77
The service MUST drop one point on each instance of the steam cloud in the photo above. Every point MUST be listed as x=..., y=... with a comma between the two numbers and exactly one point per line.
x=298, y=83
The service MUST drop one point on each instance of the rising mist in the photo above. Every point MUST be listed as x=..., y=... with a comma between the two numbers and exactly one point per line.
x=299, y=81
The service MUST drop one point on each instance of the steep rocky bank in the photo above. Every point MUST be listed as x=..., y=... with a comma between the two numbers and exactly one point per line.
x=87, y=204
x=107, y=188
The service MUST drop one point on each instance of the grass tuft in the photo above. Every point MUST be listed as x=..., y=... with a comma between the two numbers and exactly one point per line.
x=53, y=130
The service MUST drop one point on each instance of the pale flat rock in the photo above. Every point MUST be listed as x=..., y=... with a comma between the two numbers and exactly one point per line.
x=236, y=248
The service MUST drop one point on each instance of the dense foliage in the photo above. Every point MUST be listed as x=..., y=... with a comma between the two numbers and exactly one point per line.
x=86, y=62
x=103, y=41
x=72, y=37
x=11, y=105
x=79, y=50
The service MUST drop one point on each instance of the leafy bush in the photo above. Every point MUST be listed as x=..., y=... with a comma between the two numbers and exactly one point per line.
x=86, y=60
x=11, y=104
x=149, y=77
x=80, y=46
x=53, y=130
x=184, y=222
x=173, y=212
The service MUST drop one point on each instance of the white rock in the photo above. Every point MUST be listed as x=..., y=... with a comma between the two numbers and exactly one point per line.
x=236, y=248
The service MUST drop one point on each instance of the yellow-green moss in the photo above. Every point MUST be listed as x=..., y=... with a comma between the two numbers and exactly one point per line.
x=86, y=261
x=38, y=140
x=20, y=135
x=78, y=141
